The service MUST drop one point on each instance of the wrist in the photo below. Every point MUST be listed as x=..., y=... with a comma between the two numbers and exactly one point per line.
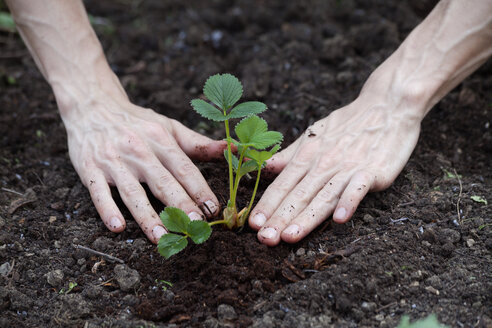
x=82, y=93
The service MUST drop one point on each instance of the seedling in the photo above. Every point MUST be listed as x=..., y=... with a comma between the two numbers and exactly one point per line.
x=224, y=91
x=181, y=228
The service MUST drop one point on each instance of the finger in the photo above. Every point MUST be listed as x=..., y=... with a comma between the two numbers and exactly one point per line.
x=276, y=192
x=181, y=185
x=133, y=195
x=278, y=161
x=320, y=208
x=356, y=190
x=291, y=206
x=196, y=145
x=104, y=203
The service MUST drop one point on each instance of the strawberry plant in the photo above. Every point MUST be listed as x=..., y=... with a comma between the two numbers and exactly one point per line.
x=224, y=91
x=252, y=143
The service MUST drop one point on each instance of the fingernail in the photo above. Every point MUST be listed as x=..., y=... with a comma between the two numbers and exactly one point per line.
x=268, y=233
x=158, y=231
x=115, y=223
x=292, y=230
x=340, y=214
x=210, y=207
x=259, y=219
x=194, y=216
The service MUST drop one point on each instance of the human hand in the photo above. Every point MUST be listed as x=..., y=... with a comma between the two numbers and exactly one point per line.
x=359, y=148
x=115, y=143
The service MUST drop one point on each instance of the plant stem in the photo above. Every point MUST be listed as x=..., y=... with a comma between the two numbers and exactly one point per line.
x=238, y=177
x=229, y=160
x=217, y=222
x=254, y=190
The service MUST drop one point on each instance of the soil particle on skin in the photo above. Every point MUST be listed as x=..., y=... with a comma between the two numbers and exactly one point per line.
x=407, y=250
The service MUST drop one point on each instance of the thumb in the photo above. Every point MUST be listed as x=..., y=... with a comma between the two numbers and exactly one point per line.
x=195, y=145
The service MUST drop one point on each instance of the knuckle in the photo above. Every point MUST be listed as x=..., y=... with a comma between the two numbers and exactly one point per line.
x=162, y=186
x=130, y=190
x=327, y=195
x=186, y=170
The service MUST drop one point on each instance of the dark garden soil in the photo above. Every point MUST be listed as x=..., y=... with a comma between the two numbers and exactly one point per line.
x=407, y=250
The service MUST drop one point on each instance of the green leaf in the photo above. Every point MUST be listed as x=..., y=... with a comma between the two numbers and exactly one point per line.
x=199, y=231
x=253, y=131
x=235, y=160
x=170, y=244
x=262, y=156
x=208, y=111
x=429, y=322
x=224, y=90
x=248, y=166
x=175, y=220
x=6, y=22
x=479, y=199
x=247, y=108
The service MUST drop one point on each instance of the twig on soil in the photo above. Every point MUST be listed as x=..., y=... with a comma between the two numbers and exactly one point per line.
x=107, y=256
x=459, y=197
x=12, y=191
x=386, y=306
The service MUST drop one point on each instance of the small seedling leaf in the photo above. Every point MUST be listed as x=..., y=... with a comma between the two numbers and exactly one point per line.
x=170, y=244
x=175, y=220
x=262, y=156
x=247, y=108
x=429, y=322
x=224, y=90
x=199, y=231
x=253, y=131
x=479, y=199
x=235, y=160
x=248, y=166
x=208, y=111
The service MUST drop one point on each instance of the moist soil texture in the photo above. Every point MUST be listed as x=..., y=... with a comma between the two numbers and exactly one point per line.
x=422, y=246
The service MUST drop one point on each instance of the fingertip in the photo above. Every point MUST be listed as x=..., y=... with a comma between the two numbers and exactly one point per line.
x=257, y=221
x=292, y=234
x=115, y=224
x=269, y=236
x=341, y=215
x=157, y=233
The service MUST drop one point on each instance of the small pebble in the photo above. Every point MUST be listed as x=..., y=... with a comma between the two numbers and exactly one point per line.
x=301, y=252
x=470, y=242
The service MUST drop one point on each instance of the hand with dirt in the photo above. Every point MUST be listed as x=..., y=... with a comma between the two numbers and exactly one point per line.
x=364, y=146
x=111, y=141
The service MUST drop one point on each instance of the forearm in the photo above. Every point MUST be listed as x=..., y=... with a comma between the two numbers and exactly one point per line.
x=66, y=50
x=451, y=43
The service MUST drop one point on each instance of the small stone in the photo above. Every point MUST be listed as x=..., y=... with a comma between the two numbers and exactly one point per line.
x=368, y=307
x=55, y=277
x=310, y=254
x=168, y=295
x=301, y=252
x=470, y=242
x=4, y=269
x=368, y=218
x=426, y=243
x=432, y=290
x=417, y=275
x=127, y=278
x=226, y=312
x=477, y=305
x=57, y=244
x=414, y=284
x=379, y=317
x=81, y=261
x=52, y=219
x=434, y=281
x=130, y=300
